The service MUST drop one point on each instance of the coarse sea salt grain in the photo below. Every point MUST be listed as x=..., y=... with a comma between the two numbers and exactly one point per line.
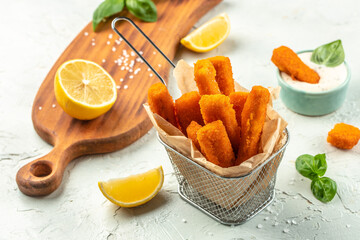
x=93, y=44
x=184, y=220
x=286, y=230
x=113, y=49
x=86, y=33
x=259, y=226
x=110, y=35
x=108, y=42
x=121, y=79
x=93, y=39
x=118, y=87
x=53, y=106
x=131, y=76
x=103, y=60
x=154, y=52
x=126, y=86
x=137, y=71
x=150, y=75
x=40, y=108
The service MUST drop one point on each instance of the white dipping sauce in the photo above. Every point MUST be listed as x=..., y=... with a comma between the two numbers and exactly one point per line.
x=330, y=77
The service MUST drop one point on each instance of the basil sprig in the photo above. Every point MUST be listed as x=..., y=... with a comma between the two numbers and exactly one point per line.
x=330, y=55
x=142, y=9
x=314, y=167
x=107, y=9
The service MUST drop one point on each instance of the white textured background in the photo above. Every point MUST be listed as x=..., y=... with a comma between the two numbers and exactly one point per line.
x=34, y=34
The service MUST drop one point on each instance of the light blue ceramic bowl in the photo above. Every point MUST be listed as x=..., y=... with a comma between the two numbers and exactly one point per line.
x=313, y=103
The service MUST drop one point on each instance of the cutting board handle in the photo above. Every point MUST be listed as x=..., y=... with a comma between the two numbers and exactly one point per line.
x=43, y=175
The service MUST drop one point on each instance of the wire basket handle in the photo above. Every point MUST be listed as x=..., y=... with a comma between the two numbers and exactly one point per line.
x=132, y=47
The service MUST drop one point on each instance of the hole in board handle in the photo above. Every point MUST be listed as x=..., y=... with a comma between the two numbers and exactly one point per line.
x=41, y=169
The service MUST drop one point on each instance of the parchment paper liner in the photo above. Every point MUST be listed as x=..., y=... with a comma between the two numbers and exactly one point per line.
x=272, y=139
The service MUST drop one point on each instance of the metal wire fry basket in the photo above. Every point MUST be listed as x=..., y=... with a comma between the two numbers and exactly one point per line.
x=229, y=200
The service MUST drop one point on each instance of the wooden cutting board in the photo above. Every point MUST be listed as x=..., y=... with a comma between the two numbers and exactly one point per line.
x=127, y=120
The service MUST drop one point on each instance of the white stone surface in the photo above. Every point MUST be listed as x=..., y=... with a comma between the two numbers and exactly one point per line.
x=34, y=34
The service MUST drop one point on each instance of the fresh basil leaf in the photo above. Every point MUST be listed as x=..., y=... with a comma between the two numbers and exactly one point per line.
x=320, y=164
x=143, y=9
x=330, y=55
x=311, y=167
x=107, y=9
x=324, y=189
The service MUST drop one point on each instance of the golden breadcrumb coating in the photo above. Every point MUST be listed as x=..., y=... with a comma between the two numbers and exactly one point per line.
x=252, y=122
x=205, y=73
x=215, y=144
x=289, y=62
x=237, y=99
x=161, y=102
x=344, y=136
x=224, y=75
x=191, y=131
x=187, y=109
x=218, y=107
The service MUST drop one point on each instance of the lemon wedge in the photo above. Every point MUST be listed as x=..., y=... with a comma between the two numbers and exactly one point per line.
x=209, y=35
x=134, y=190
x=84, y=89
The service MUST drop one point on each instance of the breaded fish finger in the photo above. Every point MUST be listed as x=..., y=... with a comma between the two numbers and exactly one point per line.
x=161, y=102
x=205, y=73
x=289, y=62
x=187, y=109
x=224, y=74
x=344, y=136
x=215, y=144
x=218, y=107
x=191, y=131
x=252, y=122
x=237, y=99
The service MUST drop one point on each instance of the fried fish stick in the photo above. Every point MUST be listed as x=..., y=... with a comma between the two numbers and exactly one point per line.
x=191, y=131
x=224, y=75
x=187, y=109
x=344, y=136
x=288, y=61
x=162, y=103
x=218, y=107
x=237, y=99
x=205, y=73
x=252, y=122
x=215, y=144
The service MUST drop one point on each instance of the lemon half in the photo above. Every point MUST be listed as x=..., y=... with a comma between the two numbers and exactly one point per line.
x=209, y=35
x=134, y=190
x=84, y=89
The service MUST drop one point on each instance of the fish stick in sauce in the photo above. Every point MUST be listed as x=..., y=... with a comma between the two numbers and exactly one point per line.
x=289, y=62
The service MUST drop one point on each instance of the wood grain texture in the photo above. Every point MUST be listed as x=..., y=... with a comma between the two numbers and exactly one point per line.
x=127, y=120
